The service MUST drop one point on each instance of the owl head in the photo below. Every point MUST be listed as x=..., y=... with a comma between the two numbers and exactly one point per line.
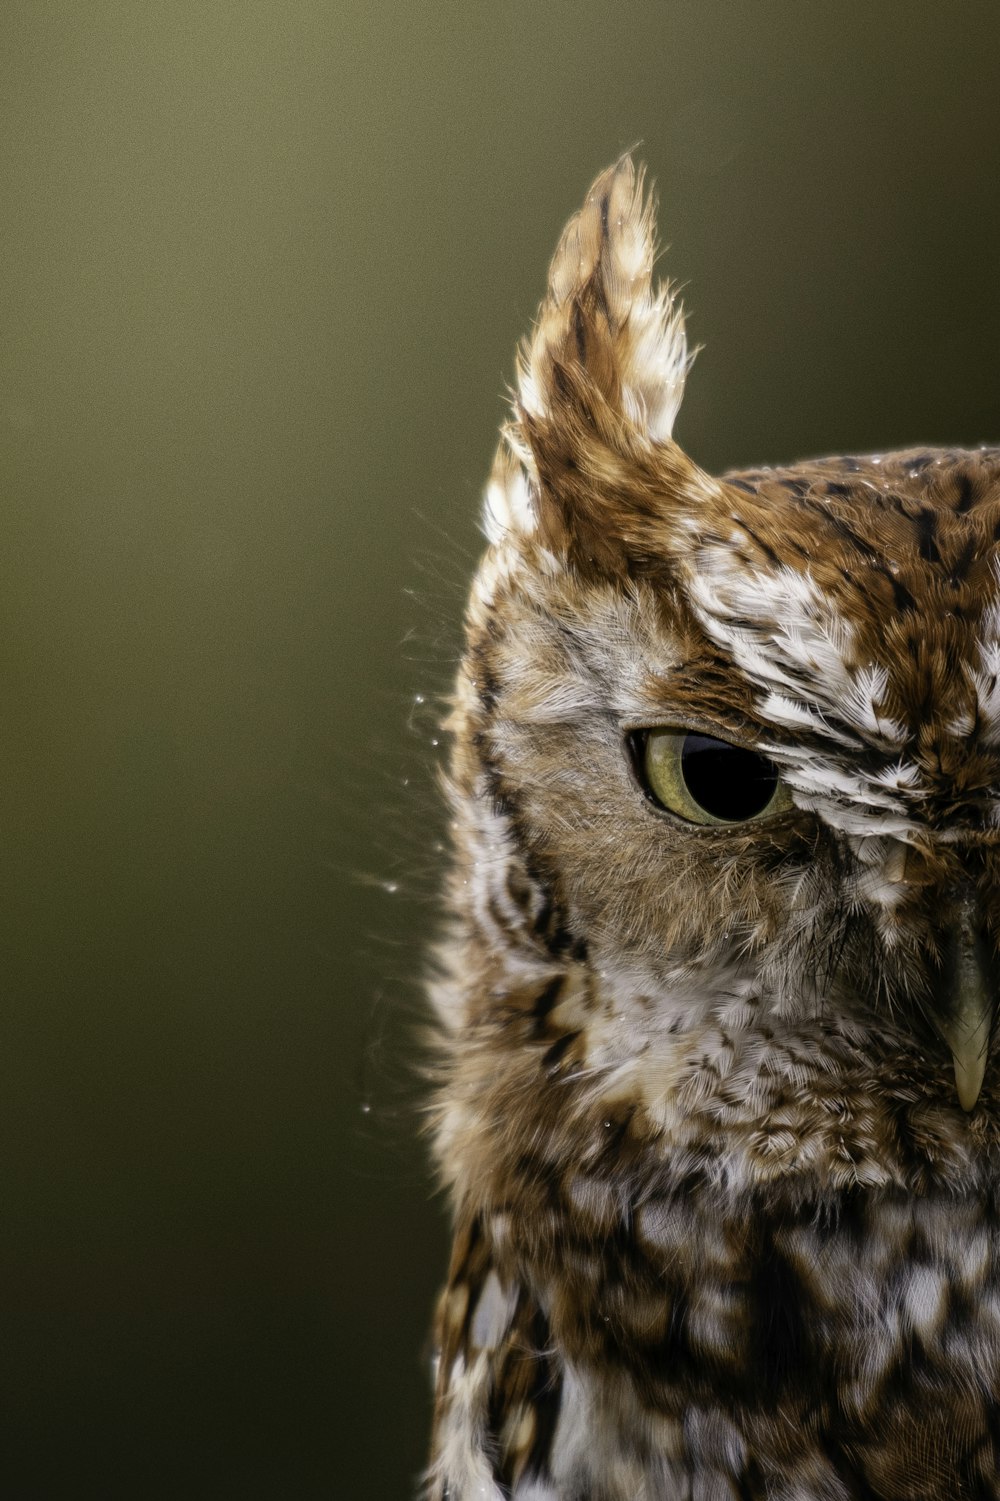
x=727, y=750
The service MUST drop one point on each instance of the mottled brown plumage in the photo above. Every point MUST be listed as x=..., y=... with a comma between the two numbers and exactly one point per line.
x=719, y=1113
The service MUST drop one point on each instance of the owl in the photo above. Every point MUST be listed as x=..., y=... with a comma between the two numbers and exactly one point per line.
x=718, y=1109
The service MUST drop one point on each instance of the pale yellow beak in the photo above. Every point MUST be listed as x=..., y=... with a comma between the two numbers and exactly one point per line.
x=965, y=1017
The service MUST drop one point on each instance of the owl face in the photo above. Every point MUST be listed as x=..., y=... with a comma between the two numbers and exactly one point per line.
x=824, y=642
x=748, y=728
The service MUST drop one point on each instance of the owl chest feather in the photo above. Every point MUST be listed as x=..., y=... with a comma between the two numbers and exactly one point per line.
x=724, y=1296
x=687, y=1340
x=839, y=1350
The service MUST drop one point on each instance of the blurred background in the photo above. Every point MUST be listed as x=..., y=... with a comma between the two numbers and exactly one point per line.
x=264, y=268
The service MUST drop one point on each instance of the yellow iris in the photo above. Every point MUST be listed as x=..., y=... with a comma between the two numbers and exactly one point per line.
x=710, y=781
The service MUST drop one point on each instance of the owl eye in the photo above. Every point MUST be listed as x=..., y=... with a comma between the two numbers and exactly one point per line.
x=708, y=781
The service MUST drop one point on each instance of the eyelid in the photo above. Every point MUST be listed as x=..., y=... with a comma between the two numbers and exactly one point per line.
x=744, y=738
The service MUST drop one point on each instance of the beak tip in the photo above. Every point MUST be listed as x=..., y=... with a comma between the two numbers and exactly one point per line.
x=969, y=1082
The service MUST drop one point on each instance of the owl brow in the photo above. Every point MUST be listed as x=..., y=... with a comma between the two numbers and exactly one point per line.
x=712, y=690
x=704, y=687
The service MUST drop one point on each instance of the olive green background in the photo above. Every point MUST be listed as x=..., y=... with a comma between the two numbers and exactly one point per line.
x=264, y=267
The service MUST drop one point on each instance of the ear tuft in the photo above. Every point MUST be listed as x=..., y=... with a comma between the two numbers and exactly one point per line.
x=587, y=466
x=602, y=317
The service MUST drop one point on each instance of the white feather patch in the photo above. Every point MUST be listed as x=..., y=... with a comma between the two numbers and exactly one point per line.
x=508, y=505
x=462, y=1468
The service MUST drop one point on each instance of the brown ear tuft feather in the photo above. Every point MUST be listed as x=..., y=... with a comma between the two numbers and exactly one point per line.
x=601, y=315
x=589, y=461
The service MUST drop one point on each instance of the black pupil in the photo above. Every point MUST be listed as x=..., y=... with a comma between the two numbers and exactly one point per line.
x=726, y=780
